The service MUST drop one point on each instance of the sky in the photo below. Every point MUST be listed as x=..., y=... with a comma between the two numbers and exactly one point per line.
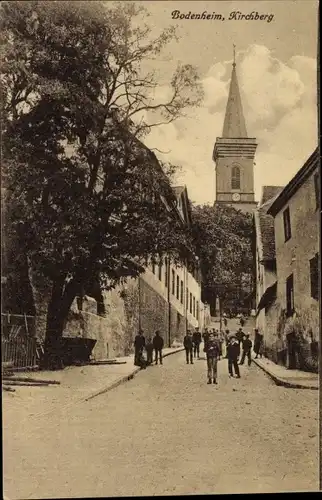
x=277, y=74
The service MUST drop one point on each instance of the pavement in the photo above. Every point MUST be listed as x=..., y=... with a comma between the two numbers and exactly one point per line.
x=77, y=384
x=166, y=432
x=296, y=379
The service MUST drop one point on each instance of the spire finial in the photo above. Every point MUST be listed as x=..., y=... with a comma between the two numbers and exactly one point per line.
x=234, y=49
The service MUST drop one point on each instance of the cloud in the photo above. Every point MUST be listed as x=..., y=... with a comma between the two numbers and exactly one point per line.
x=280, y=107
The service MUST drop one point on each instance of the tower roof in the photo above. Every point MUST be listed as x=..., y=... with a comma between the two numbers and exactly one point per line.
x=234, y=124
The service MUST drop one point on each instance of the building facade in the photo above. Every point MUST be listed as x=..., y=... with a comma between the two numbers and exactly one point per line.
x=266, y=275
x=166, y=297
x=234, y=155
x=296, y=227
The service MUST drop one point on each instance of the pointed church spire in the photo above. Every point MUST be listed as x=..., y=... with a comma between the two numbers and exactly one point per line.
x=234, y=124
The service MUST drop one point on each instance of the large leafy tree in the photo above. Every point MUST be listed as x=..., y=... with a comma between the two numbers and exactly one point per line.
x=224, y=238
x=87, y=199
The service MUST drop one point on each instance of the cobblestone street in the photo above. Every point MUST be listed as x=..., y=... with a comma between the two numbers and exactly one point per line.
x=168, y=432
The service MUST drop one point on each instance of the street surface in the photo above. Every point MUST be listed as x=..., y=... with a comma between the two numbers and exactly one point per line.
x=167, y=432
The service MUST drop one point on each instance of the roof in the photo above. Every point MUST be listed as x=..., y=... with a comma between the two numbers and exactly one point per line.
x=181, y=192
x=295, y=183
x=268, y=192
x=265, y=226
x=234, y=124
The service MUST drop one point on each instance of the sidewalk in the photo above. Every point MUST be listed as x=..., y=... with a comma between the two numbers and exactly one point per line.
x=296, y=379
x=77, y=384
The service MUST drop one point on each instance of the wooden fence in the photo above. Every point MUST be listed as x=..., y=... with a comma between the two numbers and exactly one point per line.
x=18, y=342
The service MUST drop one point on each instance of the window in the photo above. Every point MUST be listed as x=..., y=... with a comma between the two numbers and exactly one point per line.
x=317, y=190
x=287, y=224
x=314, y=277
x=173, y=281
x=187, y=298
x=160, y=271
x=190, y=306
x=166, y=272
x=178, y=283
x=194, y=307
x=235, y=178
x=181, y=292
x=153, y=267
x=289, y=296
x=197, y=310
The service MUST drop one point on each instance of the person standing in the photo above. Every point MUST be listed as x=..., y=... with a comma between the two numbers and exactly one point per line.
x=247, y=350
x=258, y=342
x=233, y=351
x=196, y=339
x=158, y=346
x=212, y=353
x=226, y=342
x=188, y=345
x=139, y=344
x=205, y=335
x=149, y=350
x=240, y=335
x=220, y=342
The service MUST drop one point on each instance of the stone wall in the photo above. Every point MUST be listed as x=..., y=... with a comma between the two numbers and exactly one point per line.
x=129, y=307
x=154, y=311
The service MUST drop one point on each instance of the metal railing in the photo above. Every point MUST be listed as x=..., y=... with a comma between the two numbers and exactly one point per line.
x=18, y=342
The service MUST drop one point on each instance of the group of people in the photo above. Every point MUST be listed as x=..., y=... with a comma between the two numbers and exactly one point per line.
x=148, y=346
x=237, y=348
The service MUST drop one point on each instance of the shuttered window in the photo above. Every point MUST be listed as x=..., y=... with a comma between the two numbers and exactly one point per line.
x=290, y=295
x=287, y=224
x=314, y=277
x=173, y=281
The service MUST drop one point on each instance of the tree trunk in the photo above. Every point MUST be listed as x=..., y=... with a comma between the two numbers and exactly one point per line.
x=57, y=313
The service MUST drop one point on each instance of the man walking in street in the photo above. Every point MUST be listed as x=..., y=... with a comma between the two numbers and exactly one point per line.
x=233, y=352
x=226, y=342
x=188, y=345
x=205, y=335
x=258, y=342
x=139, y=344
x=212, y=352
x=196, y=339
x=149, y=350
x=158, y=346
x=240, y=335
x=247, y=350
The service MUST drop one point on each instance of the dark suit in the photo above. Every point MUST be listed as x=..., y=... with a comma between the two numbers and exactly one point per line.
x=139, y=344
x=233, y=352
x=247, y=351
x=196, y=339
x=158, y=346
x=188, y=345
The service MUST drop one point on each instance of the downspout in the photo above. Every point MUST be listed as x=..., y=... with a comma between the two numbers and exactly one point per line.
x=139, y=302
x=186, y=297
x=169, y=303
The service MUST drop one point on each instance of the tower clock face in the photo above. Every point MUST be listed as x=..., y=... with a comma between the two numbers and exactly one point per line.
x=236, y=197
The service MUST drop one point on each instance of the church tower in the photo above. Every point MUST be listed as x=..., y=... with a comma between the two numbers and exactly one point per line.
x=234, y=155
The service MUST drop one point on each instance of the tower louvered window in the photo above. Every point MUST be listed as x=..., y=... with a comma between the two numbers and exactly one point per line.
x=235, y=178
